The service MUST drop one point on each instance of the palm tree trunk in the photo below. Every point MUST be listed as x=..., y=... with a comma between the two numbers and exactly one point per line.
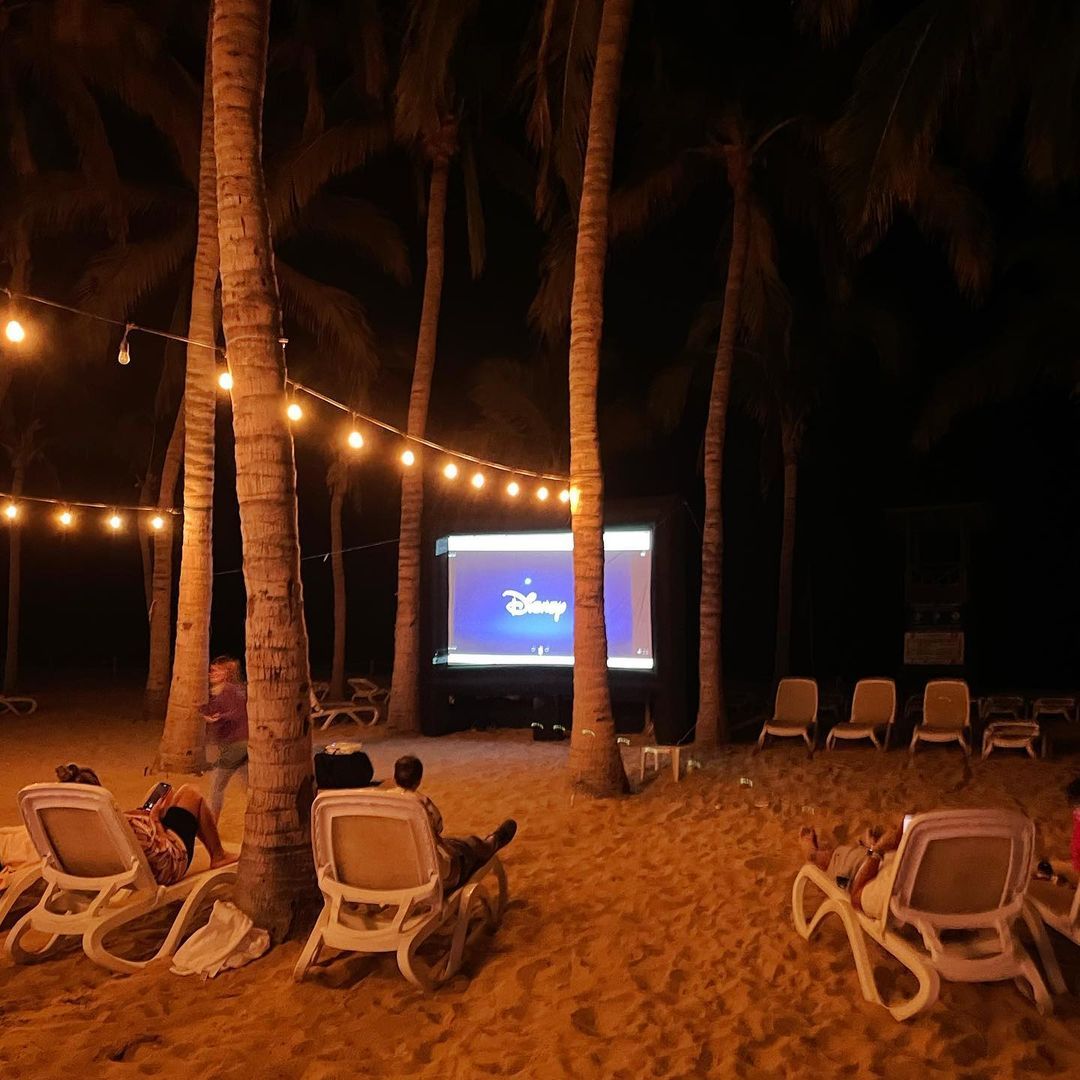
x=157, y=675
x=338, y=484
x=11, y=654
x=782, y=661
x=711, y=724
x=595, y=762
x=276, y=874
x=405, y=681
x=182, y=741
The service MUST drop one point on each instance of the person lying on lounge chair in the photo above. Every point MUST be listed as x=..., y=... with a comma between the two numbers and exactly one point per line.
x=856, y=866
x=168, y=830
x=1060, y=871
x=459, y=857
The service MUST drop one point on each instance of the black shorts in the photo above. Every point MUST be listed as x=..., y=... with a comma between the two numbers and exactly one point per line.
x=185, y=824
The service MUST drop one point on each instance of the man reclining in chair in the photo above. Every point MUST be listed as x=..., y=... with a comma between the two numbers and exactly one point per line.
x=858, y=867
x=459, y=857
x=168, y=830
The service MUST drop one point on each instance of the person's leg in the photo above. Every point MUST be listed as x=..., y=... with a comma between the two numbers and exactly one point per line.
x=469, y=853
x=219, y=780
x=190, y=799
x=808, y=842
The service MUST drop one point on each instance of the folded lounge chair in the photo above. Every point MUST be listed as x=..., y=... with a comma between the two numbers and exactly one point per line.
x=367, y=691
x=873, y=710
x=958, y=879
x=20, y=706
x=379, y=875
x=946, y=714
x=794, y=712
x=329, y=711
x=96, y=877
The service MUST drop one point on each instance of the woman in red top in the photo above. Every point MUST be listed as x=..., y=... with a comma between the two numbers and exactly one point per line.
x=227, y=725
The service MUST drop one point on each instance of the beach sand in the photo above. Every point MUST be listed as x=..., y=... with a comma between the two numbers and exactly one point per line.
x=647, y=936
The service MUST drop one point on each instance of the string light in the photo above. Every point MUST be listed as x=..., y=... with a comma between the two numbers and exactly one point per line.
x=11, y=511
x=542, y=493
x=575, y=498
x=513, y=489
x=356, y=440
x=564, y=495
x=123, y=357
x=66, y=519
x=294, y=412
x=477, y=480
x=408, y=458
x=450, y=471
x=14, y=331
x=157, y=523
x=225, y=380
x=115, y=522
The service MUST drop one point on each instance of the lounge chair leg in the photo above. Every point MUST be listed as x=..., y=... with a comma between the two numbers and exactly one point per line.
x=310, y=952
x=22, y=881
x=414, y=969
x=1049, y=959
x=224, y=877
x=13, y=946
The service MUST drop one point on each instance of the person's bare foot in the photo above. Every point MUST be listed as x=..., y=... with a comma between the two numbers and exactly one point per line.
x=808, y=840
x=226, y=858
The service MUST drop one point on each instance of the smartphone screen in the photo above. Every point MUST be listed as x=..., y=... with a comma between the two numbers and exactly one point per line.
x=157, y=794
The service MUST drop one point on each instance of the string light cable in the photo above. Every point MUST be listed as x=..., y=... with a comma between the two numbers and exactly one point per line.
x=293, y=387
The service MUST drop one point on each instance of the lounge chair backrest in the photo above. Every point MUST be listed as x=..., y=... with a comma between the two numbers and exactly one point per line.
x=373, y=842
x=82, y=832
x=962, y=869
x=874, y=702
x=796, y=701
x=947, y=704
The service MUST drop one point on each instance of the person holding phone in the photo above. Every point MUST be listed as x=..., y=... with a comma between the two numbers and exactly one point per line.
x=166, y=826
x=227, y=726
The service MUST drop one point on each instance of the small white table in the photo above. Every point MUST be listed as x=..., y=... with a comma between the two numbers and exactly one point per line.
x=657, y=753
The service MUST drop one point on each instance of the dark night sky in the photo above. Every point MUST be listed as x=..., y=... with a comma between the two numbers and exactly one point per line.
x=82, y=595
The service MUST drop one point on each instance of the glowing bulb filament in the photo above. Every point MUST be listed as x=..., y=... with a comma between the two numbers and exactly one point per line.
x=14, y=331
x=224, y=380
x=65, y=517
x=564, y=495
x=11, y=511
x=157, y=523
x=408, y=458
x=542, y=493
x=477, y=480
x=450, y=470
x=356, y=440
x=123, y=357
x=115, y=521
x=513, y=489
x=294, y=412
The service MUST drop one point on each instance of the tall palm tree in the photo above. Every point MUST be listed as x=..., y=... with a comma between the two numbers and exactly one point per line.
x=276, y=874
x=181, y=747
x=595, y=762
x=342, y=480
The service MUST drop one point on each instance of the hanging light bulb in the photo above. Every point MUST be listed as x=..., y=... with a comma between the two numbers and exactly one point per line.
x=513, y=489
x=11, y=511
x=115, y=522
x=356, y=440
x=542, y=493
x=123, y=357
x=224, y=380
x=294, y=412
x=450, y=471
x=14, y=331
x=564, y=495
x=575, y=498
x=477, y=480
x=66, y=519
x=157, y=523
x=408, y=458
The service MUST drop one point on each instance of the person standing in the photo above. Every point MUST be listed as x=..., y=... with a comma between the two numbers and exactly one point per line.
x=227, y=726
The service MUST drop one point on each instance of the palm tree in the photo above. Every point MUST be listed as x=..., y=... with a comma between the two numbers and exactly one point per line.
x=595, y=762
x=276, y=874
x=428, y=116
x=342, y=482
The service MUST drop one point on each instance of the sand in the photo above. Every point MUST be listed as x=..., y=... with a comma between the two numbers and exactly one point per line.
x=647, y=936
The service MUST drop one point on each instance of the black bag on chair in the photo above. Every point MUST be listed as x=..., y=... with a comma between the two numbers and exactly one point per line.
x=349, y=769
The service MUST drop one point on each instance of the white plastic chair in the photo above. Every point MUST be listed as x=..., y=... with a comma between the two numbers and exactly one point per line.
x=20, y=706
x=1058, y=907
x=946, y=714
x=955, y=871
x=794, y=713
x=96, y=877
x=368, y=692
x=378, y=870
x=329, y=711
x=873, y=710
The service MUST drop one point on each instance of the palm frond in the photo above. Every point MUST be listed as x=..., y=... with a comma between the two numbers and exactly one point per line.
x=474, y=207
x=367, y=45
x=363, y=226
x=639, y=204
x=765, y=304
x=1051, y=137
x=334, y=317
x=669, y=393
x=293, y=180
x=831, y=20
x=549, y=312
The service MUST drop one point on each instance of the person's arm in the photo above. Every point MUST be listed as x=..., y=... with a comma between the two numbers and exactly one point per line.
x=433, y=816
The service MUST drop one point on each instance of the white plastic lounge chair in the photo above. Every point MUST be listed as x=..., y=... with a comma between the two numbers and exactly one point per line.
x=958, y=879
x=946, y=714
x=329, y=711
x=20, y=706
x=1011, y=735
x=1001, y=707
x=368, y=691
x=18, y=884
x=794, y=713
x=873, y=710
x=96, y=877
x=1058, y=907
x=378, y=871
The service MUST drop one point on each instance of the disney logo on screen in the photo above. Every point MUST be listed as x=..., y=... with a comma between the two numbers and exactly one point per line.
x=527, y=604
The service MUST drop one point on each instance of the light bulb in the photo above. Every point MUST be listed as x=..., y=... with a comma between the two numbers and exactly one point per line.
x=408, y=458
x=477, y=480
x=356, y=440
x=294, y=412
x=115, y=521
x=575, y=498
x=65, y=517
x=14, y=331
x=123, y=357
x=157, y=523
x=224, y=380
x=564, y=495
x=542, y=493
x=513, y=489
x=11, y=511
x=450, y=470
